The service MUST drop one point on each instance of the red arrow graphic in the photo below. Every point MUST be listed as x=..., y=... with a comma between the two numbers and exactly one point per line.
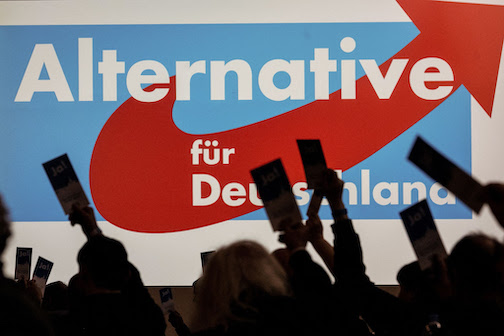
x=468, y=36
x=141, y=169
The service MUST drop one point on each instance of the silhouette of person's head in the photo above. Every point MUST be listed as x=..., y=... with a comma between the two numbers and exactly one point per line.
x=411, y=282
x=476, y=266
x=234, y=278
x=4, y=227
x=104, y=262
x=55, y=297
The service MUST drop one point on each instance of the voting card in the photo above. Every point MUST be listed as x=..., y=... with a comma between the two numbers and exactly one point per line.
x=167, y=302
x=314, y=162
x=65, y=183
x=23, y=263
x=434, y=164
x=276, y=193
x=423, y=233
x=205, y=257
x=41, y=274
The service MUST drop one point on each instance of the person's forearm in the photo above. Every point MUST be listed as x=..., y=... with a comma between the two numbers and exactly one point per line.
x=92, y=231
x=347, y=252
x=338, y=209
x=325, y=251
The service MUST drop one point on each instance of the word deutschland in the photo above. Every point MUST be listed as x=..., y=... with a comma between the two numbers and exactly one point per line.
x=234, y=194
x=146, y=72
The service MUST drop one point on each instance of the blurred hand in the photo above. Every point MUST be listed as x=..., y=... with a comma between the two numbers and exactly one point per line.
x=175, y=319
x=332, y=189
x=86, y=218
x=295, y=236
x=31, y=289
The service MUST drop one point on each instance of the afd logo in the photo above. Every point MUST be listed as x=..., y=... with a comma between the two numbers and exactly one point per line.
x=173, y=118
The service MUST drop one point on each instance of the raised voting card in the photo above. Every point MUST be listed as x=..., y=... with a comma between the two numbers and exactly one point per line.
x=314, y=165
x=434, y=164
x=314, y=162
x=423, y=233
x=65, y=183
x=167, y=302
x=41, y=273
x=275, y=190
x=205, y=257
x=23, y=263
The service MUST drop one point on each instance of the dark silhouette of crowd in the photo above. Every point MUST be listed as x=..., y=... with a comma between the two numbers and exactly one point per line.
x=246, y=290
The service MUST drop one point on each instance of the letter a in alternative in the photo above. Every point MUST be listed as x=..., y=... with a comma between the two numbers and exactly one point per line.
x=44, y=55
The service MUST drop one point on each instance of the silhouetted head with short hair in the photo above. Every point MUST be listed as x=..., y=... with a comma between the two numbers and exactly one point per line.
x=411, y=281
x=55, y=297
x=476, y=267
x=105, y=261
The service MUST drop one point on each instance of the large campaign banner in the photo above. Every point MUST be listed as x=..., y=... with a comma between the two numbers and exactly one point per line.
x=164, y=118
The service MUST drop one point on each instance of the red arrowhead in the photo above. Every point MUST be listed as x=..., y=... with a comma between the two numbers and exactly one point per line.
x=468, y=36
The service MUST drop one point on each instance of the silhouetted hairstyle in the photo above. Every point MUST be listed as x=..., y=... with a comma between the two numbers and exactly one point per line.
x=475, y=264
x=233, y=279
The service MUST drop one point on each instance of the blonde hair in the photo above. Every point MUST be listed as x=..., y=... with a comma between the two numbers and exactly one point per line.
x=244, y=267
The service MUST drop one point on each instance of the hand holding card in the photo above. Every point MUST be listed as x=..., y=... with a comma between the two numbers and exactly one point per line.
x=86, y=219
x=295, y=237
